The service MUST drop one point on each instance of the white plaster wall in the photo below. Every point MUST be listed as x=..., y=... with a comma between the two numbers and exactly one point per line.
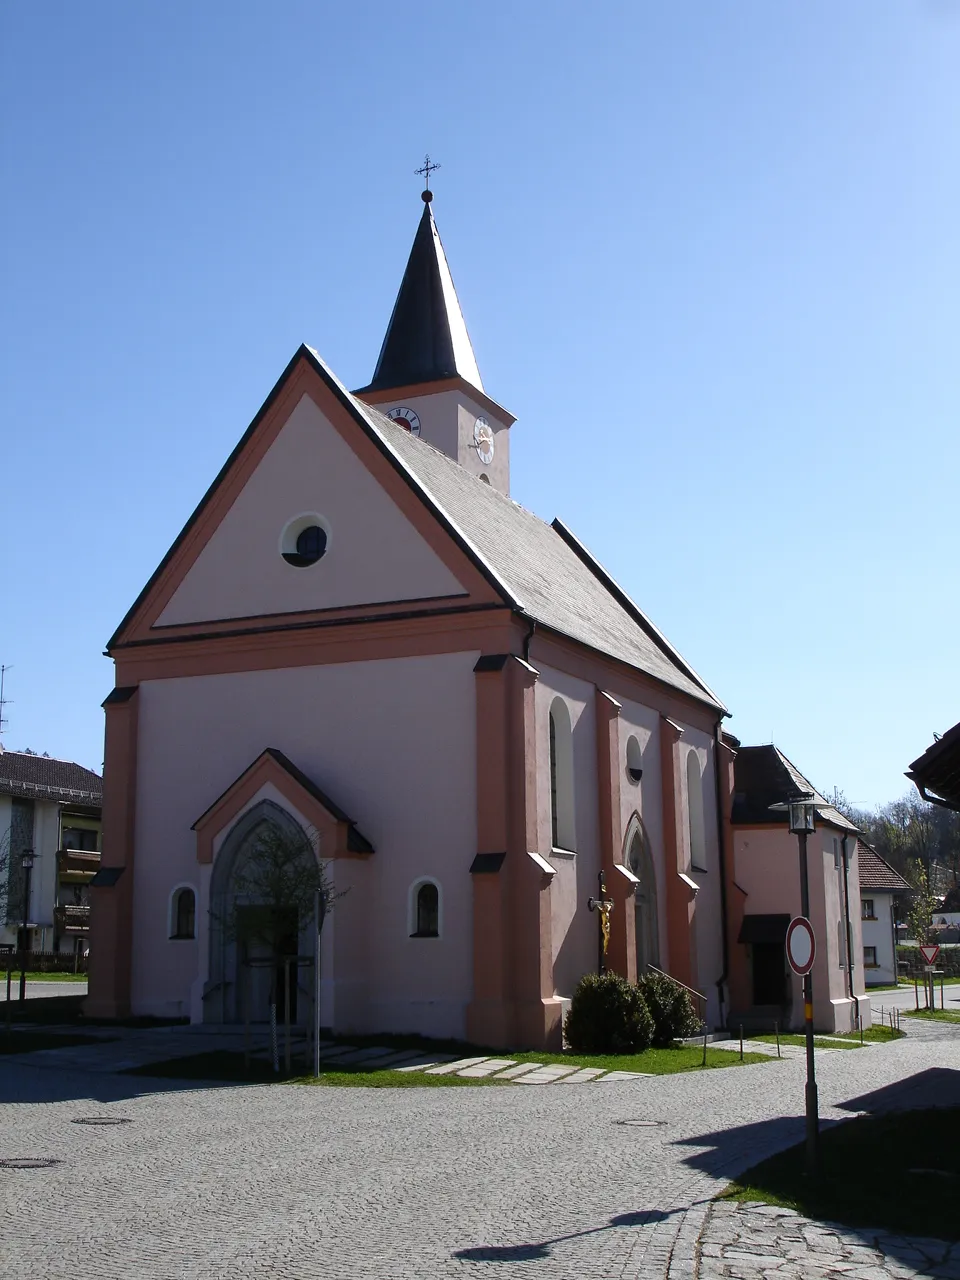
x=43, y=880
x=393, y=743
x=574, y=927
x=8, y=933
x=708, y=904
x=767, y=866
x=645, y=797
x=879, y=933
x=447, y=421
x=374, y=553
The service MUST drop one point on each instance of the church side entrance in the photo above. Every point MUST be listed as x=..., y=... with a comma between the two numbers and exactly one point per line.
x=640, y=862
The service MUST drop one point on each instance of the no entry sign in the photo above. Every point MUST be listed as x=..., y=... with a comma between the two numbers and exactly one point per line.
x=930, y=953
x=801, y=945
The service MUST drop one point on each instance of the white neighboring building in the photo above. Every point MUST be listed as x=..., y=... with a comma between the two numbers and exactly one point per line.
x=878, y=884
x=51, y=807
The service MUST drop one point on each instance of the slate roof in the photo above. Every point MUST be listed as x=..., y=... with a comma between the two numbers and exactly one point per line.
x=938, y=769
x=539, y=570
x=548, y=574
x=876, y=874
x=33, y=777
x=764, y=776
x=426, y=339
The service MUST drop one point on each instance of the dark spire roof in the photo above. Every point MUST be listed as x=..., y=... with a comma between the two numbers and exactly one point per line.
x=426, y=338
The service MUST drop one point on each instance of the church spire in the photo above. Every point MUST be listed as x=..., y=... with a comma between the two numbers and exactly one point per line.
x=426, y=339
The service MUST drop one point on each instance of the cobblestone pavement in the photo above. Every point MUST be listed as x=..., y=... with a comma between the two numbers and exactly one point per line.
x=291, y=1181
x=756, y=1241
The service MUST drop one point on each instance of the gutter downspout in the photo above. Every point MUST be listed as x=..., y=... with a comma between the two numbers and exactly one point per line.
x=527, y=639
x=846, y=916
x=721, y=852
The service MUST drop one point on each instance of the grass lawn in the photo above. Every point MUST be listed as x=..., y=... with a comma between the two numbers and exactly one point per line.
x=48, y=977
x=818, y=1041
x=21, y=1041
x=899, y=1172
x=224, y=1065
x=936, y=1015
x=873, y=1035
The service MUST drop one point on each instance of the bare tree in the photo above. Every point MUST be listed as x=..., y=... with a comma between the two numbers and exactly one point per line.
x=277, y=886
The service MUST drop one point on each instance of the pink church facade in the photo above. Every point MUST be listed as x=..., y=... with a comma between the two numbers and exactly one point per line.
x=358, y=632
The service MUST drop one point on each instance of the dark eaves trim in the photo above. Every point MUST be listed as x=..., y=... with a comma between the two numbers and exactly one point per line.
x=486, y=863
x=640, y=618
x=123, y=693
x=544, y=629
x=317, y=624
x=356, y=411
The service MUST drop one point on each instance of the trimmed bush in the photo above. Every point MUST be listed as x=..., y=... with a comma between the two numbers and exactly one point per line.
x=608, y=1015
x=671, y=1009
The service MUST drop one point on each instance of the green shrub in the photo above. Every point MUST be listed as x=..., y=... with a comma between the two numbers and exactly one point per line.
x=608, y=1015
x=671, y=1009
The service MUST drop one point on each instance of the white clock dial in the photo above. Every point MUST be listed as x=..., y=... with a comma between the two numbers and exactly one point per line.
x=483, y=440
x=405, y=418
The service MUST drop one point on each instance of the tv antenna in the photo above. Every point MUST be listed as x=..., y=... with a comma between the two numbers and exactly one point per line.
x=3, y=701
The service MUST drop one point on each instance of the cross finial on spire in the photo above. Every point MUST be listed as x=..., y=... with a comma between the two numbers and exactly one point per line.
x=425, y=171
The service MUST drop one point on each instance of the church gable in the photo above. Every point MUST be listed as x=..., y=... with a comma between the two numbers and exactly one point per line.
x=306, y=466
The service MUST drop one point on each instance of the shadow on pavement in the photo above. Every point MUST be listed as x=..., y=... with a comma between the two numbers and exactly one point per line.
x=935, y=1087
x=541, y=1249
x=731, y=1152
x=21, y=1082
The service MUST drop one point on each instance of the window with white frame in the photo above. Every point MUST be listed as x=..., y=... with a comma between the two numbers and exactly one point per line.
x=870, y=957
x=562, y=819
x=183, y=913
x=695, y=823
x=424, y=909
x=866, y=909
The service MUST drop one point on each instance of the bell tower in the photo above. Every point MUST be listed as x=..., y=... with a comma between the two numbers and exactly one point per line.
x=427, y=377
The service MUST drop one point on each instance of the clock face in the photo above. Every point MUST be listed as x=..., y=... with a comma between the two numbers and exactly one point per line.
x=483, y=440
x=405, y=418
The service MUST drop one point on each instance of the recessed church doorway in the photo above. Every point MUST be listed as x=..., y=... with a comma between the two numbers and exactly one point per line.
x=640, y=862
x=259, y=940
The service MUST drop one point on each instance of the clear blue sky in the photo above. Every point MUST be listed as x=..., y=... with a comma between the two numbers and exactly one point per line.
x=708, y=254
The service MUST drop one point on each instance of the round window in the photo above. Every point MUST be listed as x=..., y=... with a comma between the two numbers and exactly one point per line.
x=304, y=541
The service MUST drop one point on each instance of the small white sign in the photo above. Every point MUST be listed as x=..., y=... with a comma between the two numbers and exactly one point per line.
x=801, y=945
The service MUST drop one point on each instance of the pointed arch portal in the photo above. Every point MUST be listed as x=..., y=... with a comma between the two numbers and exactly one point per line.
x=241, y=976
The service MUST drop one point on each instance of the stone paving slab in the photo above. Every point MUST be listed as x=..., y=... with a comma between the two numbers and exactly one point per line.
x=426, y=1060
x=487, y=1068
x=548, y=1074
x=753, y=1241
x=520, y=1069
x=448, y=1068
x=626, y=1075
x=582, y=1076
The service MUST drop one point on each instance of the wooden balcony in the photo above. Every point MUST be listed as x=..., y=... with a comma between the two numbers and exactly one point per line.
x=72, y=919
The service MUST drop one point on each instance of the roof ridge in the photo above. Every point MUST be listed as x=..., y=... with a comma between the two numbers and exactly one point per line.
x=632, y=608
x=39, y=755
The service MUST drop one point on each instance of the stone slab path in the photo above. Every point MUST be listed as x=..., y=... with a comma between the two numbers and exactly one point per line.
x=757, y=1241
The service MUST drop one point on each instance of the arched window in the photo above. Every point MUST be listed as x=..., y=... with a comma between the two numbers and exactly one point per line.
x=425, y=910
x=640, y=861
x=563, y=832
x=183, y=914
x=698, y=838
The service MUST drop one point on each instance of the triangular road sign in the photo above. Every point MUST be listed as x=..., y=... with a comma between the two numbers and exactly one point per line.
x=930, y=952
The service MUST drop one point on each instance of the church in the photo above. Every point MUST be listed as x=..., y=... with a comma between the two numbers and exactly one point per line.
x=360, y=635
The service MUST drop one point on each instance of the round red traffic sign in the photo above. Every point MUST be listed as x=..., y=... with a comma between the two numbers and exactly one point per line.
x=801, y=945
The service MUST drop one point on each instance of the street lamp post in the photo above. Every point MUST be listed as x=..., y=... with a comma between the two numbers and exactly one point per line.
x=26, y=861
x=802, y=818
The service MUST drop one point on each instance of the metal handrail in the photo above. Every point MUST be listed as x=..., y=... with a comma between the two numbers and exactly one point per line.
x=693, y=991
